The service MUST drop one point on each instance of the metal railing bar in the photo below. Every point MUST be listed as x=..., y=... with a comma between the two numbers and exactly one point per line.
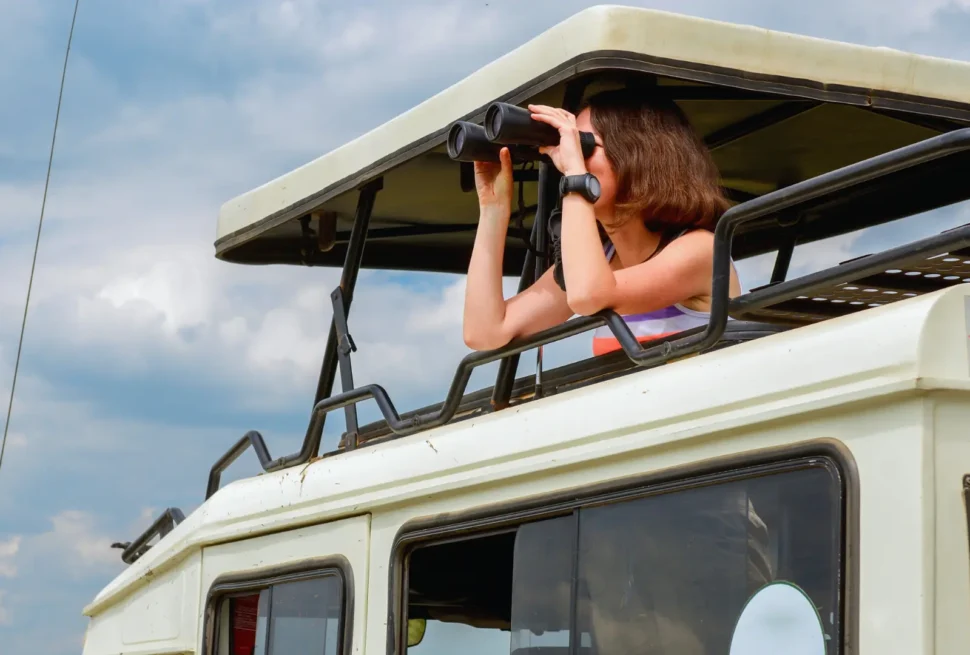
x=164, y=524
x=851, y=271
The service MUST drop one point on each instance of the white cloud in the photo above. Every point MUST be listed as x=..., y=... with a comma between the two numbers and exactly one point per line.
x=176, y=291
x=4, y=612
x=75, y=545
x=75, y=542
x=8, y=553
x=16, y=440
x=19, y=208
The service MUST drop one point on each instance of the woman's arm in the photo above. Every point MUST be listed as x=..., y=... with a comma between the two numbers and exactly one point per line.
x=680, y=271
x=489, y=320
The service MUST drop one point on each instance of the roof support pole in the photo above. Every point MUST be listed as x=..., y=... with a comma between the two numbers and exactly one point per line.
x=783, y=260
x=533, y=267
x=339, y=345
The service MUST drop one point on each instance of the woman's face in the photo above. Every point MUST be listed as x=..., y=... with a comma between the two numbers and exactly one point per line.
x=599, y=165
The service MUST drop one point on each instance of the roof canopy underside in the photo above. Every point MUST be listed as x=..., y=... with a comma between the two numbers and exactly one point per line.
x=775, y=109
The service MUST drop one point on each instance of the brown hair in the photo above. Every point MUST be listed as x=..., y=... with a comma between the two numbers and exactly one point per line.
x=664, y=172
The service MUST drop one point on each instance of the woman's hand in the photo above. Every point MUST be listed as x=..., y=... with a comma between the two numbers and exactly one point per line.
x=568, y=155
x=494, y=183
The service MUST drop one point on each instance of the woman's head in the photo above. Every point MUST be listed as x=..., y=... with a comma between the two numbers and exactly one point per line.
x=652, y=165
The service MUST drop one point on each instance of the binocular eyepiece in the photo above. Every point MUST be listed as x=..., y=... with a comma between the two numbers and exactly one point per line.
x=506, y=126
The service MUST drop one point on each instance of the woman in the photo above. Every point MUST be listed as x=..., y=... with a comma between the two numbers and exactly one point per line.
x=659, y=197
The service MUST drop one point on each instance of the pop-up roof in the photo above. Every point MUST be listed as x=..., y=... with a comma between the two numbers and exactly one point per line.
x=775, y=109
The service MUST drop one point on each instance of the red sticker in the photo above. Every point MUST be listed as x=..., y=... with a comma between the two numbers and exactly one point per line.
x=243, y=611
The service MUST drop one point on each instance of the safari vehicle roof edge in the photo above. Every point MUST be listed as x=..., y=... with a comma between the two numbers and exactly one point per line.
x=840, y=363
x=722, y=53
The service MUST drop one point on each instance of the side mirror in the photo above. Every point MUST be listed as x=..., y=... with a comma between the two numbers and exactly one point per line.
x=416, y=628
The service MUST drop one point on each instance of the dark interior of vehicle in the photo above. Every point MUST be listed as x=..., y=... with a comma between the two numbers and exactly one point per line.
x=471, y=581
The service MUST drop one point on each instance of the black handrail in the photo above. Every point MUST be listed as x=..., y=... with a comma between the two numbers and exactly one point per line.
x=164, y=524
x=656, y=353
x=251, y=438
x=747, y=306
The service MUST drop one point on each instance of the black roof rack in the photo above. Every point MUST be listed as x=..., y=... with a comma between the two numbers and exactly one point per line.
x=559, y=380
x=132, y=550
x=780, y=302
x=925, y=266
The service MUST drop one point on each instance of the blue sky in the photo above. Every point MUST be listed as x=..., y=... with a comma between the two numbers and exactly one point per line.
x=146, y=358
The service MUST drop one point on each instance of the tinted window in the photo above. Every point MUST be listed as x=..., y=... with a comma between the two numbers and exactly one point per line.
x=302, y=617
x=665, y=573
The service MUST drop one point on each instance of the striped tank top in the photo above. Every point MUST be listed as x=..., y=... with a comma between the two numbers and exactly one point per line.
x=651, y=325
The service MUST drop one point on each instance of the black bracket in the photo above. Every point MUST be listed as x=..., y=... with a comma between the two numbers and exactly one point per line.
x=345, y=346
x=132, y=550
x=307, y=240
x=966, y=501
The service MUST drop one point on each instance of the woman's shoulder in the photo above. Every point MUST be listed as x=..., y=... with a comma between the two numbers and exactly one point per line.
x=692, y=239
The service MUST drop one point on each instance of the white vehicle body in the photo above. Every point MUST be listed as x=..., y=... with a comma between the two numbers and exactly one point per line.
x=881, y=396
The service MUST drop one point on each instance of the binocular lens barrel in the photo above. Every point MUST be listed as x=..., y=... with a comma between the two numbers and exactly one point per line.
x=510, y=124
x=506, y=125
x=467, y=142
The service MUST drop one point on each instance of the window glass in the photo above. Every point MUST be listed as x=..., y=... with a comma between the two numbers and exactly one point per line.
x=672, y=573
x=668, y=573
x=542, y=587
x=262, y=623
x=452, y=638
x=302, y=617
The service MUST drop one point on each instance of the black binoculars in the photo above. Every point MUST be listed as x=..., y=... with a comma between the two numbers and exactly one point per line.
x=506, y=126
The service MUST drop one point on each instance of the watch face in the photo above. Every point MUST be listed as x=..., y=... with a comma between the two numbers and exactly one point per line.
x=594, y=187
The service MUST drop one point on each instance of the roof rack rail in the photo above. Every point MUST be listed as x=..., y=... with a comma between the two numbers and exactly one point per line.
x=923, y=266
x=132, y=550
x=564, y=378
x=745, y=216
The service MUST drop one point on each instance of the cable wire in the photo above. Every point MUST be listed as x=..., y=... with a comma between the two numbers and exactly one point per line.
x=40, y=226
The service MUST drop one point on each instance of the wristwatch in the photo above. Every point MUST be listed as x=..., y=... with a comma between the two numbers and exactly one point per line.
x=585, y=185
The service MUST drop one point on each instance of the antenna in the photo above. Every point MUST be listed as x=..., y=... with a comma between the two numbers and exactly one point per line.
x=40, y=225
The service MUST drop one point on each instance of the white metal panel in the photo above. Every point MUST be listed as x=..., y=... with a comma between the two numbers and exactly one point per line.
x=951, y=421
x=348, y=538
x=893, y=451
x=826, y=365
x=161, y=616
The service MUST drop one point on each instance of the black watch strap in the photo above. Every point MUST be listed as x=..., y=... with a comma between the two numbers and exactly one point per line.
x=585, y=185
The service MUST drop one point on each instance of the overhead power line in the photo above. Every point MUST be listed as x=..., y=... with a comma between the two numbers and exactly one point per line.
x=40, y=226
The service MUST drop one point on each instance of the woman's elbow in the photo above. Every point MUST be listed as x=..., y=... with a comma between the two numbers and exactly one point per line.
x=478, y=339
x=584, y=302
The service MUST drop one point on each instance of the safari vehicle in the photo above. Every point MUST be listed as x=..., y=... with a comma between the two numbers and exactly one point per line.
x=790, y=478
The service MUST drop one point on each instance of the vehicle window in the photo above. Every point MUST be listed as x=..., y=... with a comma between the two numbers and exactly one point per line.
x=289, y=618
x=667, y=573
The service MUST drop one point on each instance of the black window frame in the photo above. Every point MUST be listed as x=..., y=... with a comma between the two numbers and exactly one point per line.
x=236, y=584
x=502, y=517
